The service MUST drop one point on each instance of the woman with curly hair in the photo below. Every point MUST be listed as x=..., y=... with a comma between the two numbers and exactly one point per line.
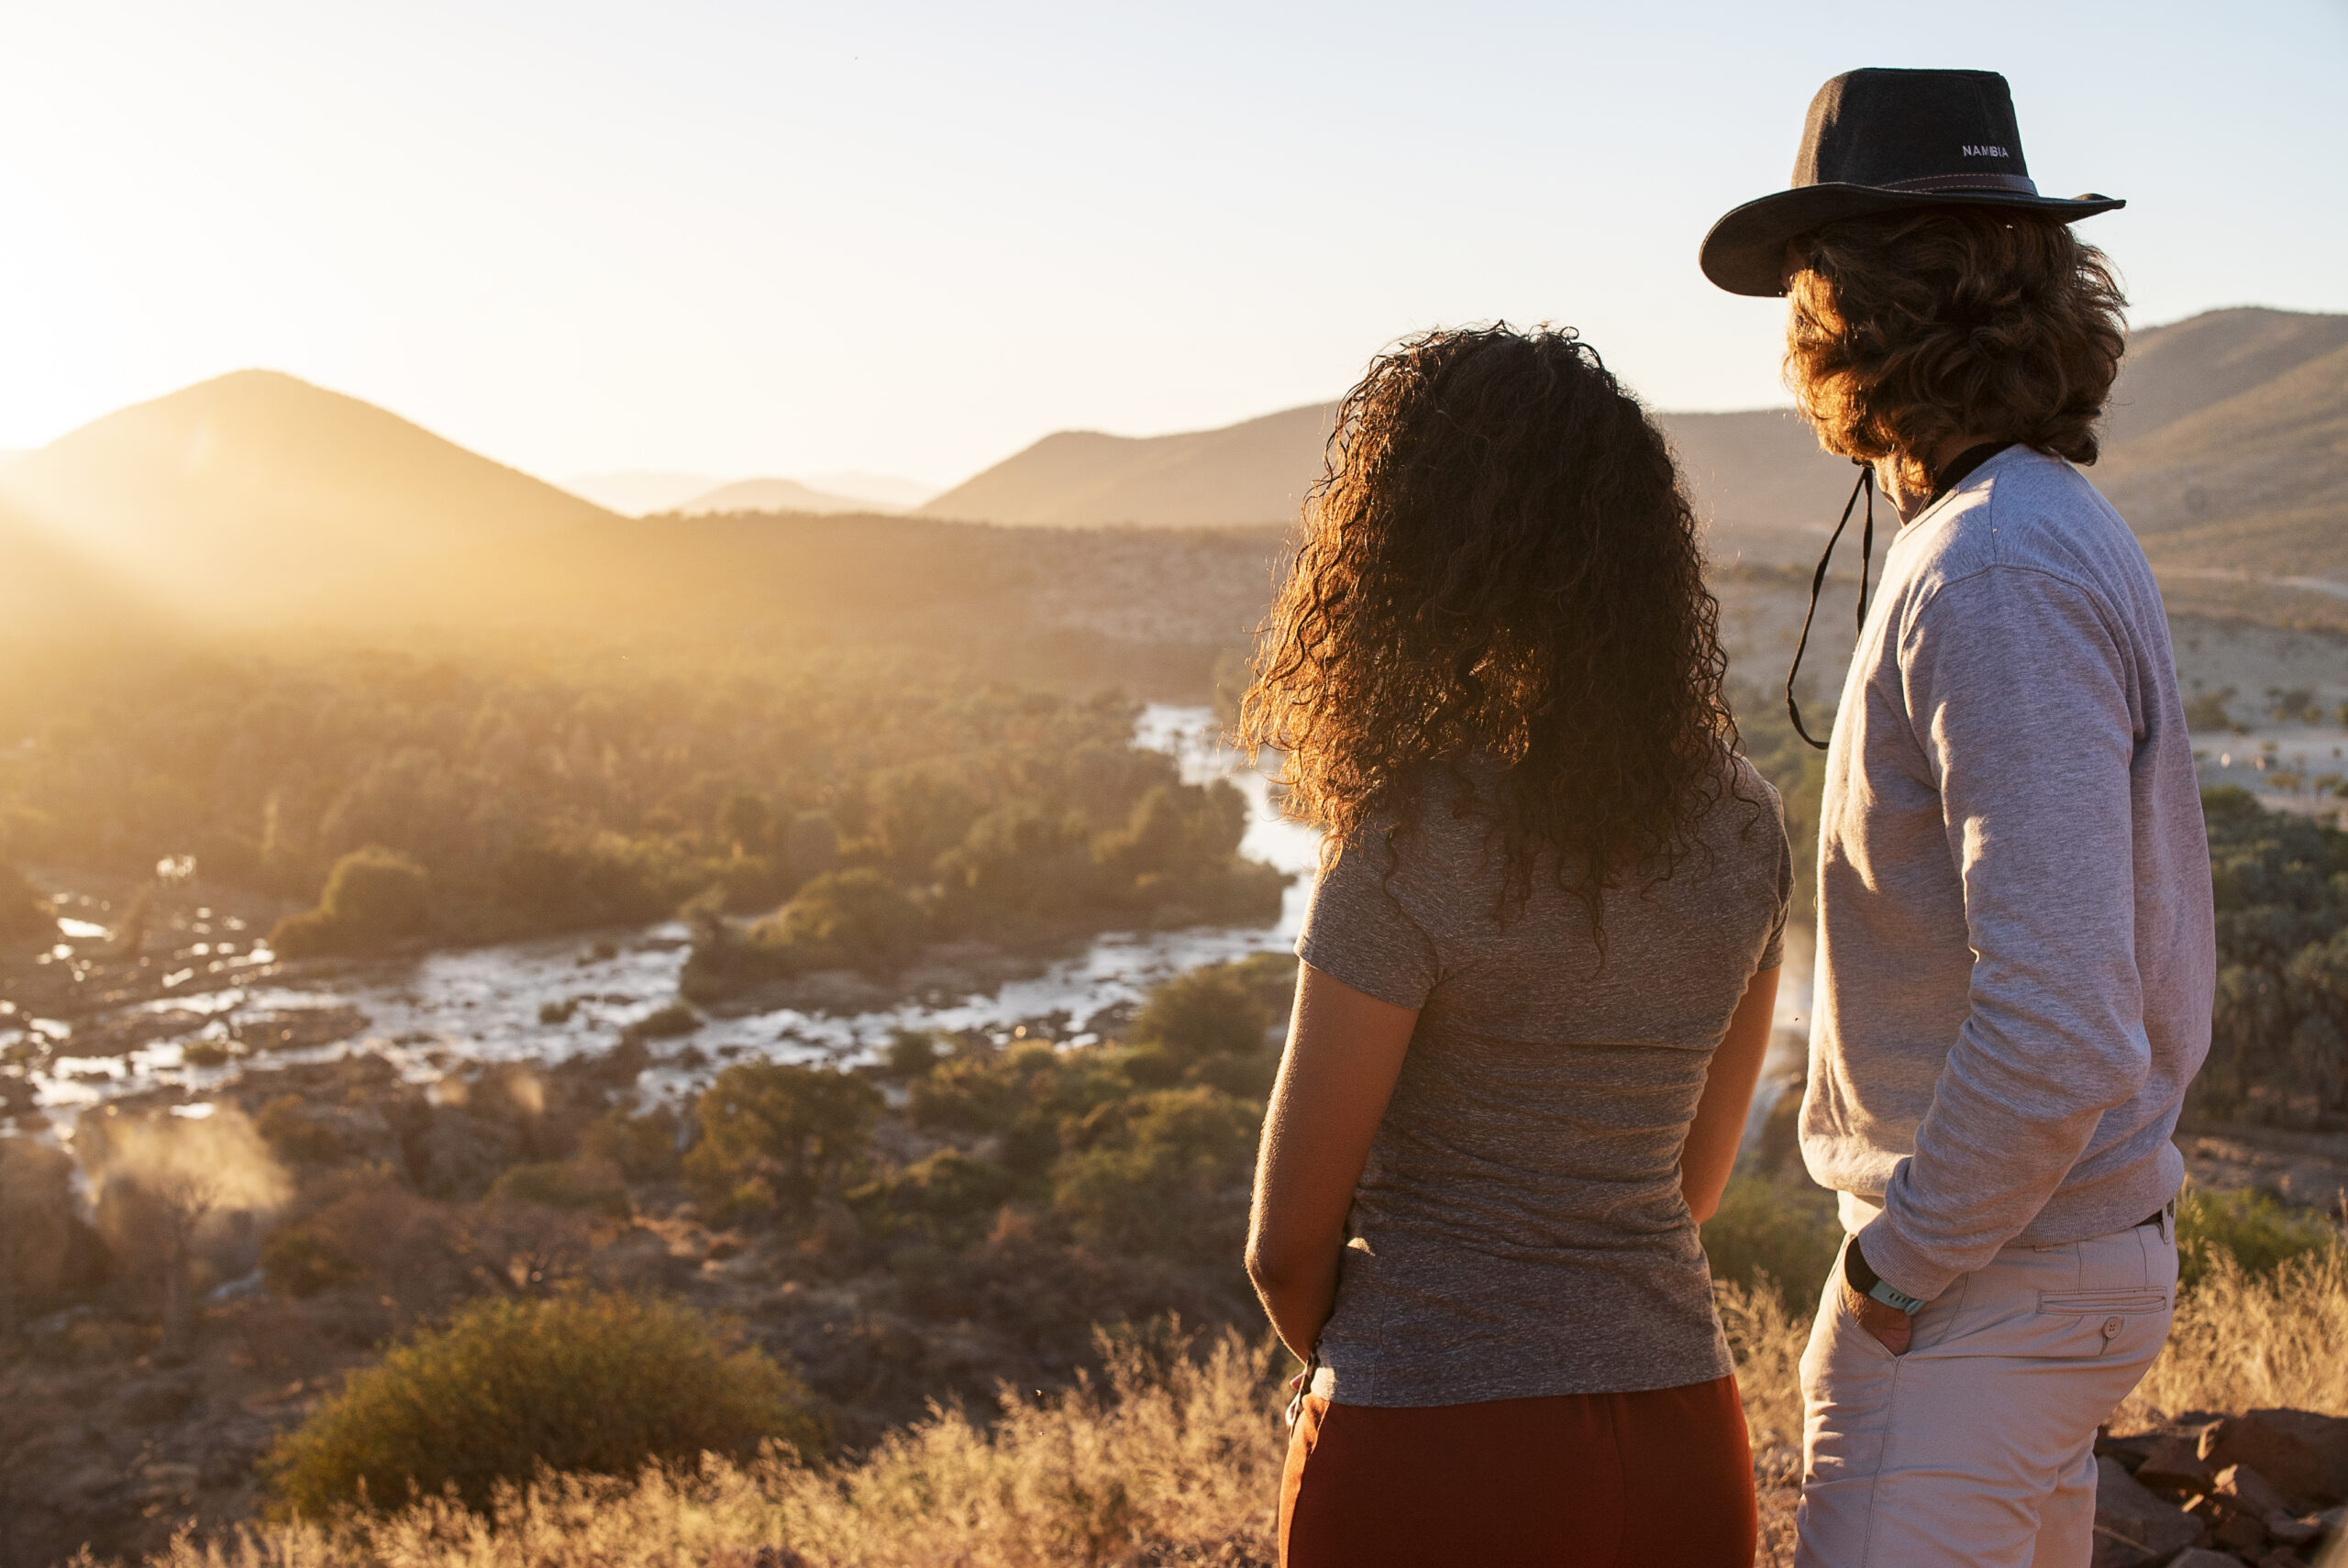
x=1538, y=973
x=2015, y=948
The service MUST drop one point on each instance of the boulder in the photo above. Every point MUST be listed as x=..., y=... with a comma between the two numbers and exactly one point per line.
x=2242, y=1488
x=2304, y=1454
x=2292, y=1531
x=2174, y=1461
x=2240, y=1533
x=2135, y=1529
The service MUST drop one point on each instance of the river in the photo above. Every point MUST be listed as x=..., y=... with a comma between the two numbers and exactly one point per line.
x=439, y=1011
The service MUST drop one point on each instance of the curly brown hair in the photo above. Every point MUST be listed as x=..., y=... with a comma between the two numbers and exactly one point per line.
x=1905, y=331
x=1499, y=564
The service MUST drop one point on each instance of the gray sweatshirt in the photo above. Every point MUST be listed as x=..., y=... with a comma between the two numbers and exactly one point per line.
x=2015, y=947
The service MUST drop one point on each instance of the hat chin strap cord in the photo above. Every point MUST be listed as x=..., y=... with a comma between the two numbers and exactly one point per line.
x=1818, y=582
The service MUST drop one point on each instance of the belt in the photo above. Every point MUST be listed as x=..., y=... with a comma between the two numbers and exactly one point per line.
x=2166, y=1211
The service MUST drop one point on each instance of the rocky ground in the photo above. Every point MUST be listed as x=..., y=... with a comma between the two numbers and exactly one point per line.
x=2266, y=1487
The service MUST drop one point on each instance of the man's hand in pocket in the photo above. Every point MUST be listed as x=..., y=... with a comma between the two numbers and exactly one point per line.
x=1891, y=1328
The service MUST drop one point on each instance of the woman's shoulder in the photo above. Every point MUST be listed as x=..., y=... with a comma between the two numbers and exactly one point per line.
x=1745, y=817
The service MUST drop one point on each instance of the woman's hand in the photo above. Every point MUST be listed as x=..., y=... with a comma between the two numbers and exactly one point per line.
x=1709, y=1154
x=1345, y=1051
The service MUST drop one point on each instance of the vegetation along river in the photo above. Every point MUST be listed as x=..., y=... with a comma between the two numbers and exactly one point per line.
x=550, y=999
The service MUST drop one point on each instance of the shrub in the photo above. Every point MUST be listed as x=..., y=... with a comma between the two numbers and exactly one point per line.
x=1165, y=1173
x=851, y=917
x=596, y=1383
x=2252, y=1230
x=910, y=1053
x=589, y=1186
x=598, y=879
x=949, y=1194
x=975, y=1094
x=374, y=897
x=643, y=1147
x=300, y=1261
x=669, y=1022
x=1203, y=1012
x=777, y=1136
x=1019, y=858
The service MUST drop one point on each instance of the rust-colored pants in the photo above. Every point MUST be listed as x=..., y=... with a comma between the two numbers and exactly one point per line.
x=1660, y=1479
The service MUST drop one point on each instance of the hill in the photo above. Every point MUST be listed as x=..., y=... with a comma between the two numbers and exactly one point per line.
x=2227, y=447
x=256, y=488
x=776, y=495
x=2177, y=369
x=1253, y=472
x=1757, y=474
x=2255, y=480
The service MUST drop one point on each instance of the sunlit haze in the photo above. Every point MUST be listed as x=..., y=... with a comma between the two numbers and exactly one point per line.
x=907, y=239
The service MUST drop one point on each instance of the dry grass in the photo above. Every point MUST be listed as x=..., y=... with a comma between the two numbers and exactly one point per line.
x=1173, y=1452
x=2244, y=1341
x=1177, y=1458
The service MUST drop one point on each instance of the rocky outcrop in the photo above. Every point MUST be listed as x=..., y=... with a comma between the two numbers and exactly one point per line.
x=2268, y=1487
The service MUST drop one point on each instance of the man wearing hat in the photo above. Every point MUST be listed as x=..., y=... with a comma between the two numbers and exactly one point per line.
x=2015, y=948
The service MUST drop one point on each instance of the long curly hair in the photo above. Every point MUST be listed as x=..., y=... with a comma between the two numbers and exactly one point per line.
x=1499, y=565
x=1903, y=332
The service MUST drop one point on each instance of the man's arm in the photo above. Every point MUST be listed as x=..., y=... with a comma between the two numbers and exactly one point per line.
x=2019, y=697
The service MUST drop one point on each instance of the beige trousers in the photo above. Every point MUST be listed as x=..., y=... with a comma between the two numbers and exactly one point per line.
x=1977, y=1447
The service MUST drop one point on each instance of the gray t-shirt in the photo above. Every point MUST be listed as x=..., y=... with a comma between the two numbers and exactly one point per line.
x=1518, y=1229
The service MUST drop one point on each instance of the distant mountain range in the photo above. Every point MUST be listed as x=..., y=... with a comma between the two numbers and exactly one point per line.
x=258, y=496
x=1758, y=475
x=776, y=495
x=640, y=494
x=2227, y=448
x=1253, y=472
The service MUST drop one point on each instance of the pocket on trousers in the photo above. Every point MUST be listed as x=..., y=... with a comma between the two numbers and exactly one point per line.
x=2081, y=1303
x=2105, y=1324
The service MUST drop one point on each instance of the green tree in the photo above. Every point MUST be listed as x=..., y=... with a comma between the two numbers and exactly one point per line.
x=374, y=897
x=1203, y=1012
x=1166, y=1173
x=777, y=1136
x=854, y=917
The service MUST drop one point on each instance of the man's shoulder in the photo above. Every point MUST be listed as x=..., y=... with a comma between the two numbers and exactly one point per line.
x=2028, y=512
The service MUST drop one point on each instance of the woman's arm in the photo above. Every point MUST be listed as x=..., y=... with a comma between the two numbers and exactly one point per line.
x=1709, y=1154
x=1345, y=1051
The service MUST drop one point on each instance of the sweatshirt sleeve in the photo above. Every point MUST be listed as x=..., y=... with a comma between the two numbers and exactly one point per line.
x=2019, y=697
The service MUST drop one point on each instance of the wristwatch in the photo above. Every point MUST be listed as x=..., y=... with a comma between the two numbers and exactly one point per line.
x=1869, y=1284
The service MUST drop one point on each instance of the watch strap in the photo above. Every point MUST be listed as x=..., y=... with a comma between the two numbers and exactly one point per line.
x=1869, y=1284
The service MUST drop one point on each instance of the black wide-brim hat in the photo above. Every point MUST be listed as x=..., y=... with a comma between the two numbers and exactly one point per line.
x=1888, y=142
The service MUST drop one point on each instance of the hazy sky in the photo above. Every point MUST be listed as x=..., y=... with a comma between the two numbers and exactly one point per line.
x=787, y=238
